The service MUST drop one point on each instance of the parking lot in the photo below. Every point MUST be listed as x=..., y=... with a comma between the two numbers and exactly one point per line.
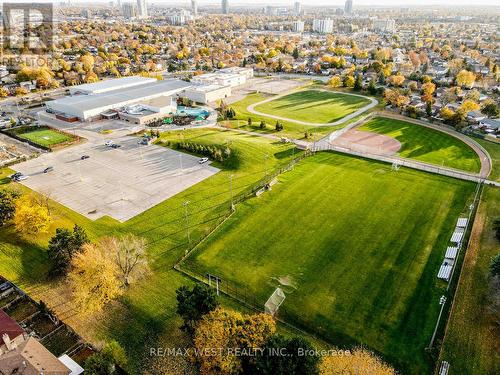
x=120, y=183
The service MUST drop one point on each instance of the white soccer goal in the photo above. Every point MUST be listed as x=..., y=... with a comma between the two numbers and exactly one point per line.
x=396, y=166
x=274, y=302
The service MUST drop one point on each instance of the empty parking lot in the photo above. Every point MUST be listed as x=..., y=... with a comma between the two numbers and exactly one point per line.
x=120, y=183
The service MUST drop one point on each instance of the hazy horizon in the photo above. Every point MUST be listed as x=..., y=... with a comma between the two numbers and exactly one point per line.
x=360, y=3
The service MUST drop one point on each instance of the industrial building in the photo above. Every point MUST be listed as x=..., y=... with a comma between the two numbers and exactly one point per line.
x=141, y=99
x=117, y=96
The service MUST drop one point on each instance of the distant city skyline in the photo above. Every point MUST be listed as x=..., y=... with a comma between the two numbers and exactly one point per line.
x=290, y=3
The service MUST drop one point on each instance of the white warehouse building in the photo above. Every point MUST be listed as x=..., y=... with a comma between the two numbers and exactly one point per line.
x=92, y=106
x=110, y=85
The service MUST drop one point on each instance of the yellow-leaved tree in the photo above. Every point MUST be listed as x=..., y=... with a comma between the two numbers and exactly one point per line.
x=228, y=329
x=95, y=278
x=466, y=78
x=102, y=271
x=31, y=217
x=360, y=361
x=469, y=105
x=335, y=81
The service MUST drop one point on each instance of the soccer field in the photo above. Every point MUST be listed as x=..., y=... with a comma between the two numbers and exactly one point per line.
x=425, y=144
x=315, y=106
x=46, y=137
x=355, y=246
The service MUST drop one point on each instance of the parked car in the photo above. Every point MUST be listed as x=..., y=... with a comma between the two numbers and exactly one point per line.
x=15, y=175
x=21, y=178
x=49, y=110
x=108, y=143
x=114, y=145
x=84, y=157
x=203, y=160
x=48, y=169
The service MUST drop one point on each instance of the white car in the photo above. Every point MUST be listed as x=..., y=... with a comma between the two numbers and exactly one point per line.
x=108, y=143
x=203, y=160
x=21, y=178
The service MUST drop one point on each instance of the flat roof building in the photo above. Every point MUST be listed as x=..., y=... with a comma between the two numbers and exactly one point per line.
x=88, y=107
x=110, y=85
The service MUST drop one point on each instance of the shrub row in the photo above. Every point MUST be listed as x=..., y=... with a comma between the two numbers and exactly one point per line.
x=219, y=153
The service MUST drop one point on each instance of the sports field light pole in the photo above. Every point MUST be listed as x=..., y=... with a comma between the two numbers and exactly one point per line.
x=442, y=302
x=231, y=190
x=185, y=204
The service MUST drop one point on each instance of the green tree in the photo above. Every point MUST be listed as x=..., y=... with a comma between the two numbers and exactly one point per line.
x=63, y=246
x=490, y=109
x=105, y=362
x=295, y=53
x=7, y=206
x=372, y=89
x=495, y=266
x=358, y=84
x=193, y=304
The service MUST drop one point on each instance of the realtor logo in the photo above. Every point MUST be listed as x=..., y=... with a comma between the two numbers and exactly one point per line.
x=27, y=28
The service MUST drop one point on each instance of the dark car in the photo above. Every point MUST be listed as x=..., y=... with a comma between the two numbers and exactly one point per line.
x=84, y=157
x=114, y=145
x=15, y=176
x=48, y=169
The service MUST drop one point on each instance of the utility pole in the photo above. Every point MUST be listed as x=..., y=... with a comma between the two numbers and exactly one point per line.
x=185, y=204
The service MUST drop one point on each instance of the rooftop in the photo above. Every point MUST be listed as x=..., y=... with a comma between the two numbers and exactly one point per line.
x=9, y=326
x=117, y=97
x=34, y=358
x=112, y=84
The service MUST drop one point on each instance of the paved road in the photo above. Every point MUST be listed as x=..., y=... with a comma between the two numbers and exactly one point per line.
x=373, y=103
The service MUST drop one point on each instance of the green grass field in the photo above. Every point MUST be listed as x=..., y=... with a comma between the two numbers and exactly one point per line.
x=494, y=151
x=427, y=145
x=471, y=342
x=146, y=314
x=291, y=129
x=356, y=247
x=314, y=106
x=45, y=137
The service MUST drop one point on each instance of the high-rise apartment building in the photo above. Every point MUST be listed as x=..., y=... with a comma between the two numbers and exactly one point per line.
x=348, y=7
x=142, y=9
x=225, y=6
x=323, y=26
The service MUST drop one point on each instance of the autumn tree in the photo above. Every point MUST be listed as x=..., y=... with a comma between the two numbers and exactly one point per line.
x=427, y=91
x=396, y=80
x=94, y=277
x=63, y=246
x=335, y=81
x=130, y=256
x=360, y=361
x=7, y=205
x=349, y=81
x=468, y=106
x=193, y=304
x=465, y=78
x=31, y=216
x=230, y=330
x=295, y=357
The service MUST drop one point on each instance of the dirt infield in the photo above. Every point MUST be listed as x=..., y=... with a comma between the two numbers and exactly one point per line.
x=368, y=142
